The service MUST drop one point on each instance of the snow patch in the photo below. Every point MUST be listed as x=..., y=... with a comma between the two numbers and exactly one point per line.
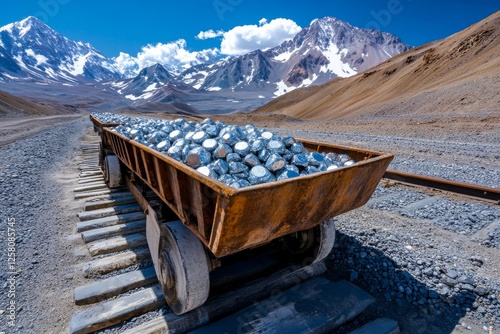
x=336, y=65
x=40, y=59
x=118, y=84
x=19, y=60
x=213, y=89
x=50, y=72
x=78, y=64
x=24, y=29
x=143, y=96
x=307, y=82
x=146, y=96
x=249, y=78
x=387, y=53
x=284, y=57
x=7, y=28
x=282, y=88
x=9, y=76
x=131, y=97
x=261, y=97
x=150, y=88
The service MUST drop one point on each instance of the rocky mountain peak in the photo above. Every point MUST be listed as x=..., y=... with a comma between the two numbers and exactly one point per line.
x=36, y=52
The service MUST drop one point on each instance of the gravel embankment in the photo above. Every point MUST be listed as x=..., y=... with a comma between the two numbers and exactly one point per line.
x=417, y=281
x=30, y=198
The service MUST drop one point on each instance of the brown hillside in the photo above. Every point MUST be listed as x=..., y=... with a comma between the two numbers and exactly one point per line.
x=455, y=76
x=11, y=105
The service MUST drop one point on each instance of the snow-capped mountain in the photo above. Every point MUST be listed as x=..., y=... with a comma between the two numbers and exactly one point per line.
x=148, y=80
x=154, y=84
x=327, y=49
x=31, y=50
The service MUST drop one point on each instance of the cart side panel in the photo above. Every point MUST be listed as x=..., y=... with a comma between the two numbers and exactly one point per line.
x=192, y=201
x=161, y=171
x=252, y=218
x=149, y=170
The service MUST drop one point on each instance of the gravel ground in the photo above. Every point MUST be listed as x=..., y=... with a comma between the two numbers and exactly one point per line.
x=454, y=214
x=427, y=288
x=32, y=200
x=428, y=268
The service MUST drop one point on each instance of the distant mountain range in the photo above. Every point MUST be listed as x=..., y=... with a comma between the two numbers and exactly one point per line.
x=34, y=56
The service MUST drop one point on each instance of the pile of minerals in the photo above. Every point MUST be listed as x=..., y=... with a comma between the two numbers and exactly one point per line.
x=234, y=155
x=107, y=117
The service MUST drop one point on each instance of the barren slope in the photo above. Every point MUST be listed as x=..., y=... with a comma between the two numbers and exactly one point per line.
x=11, y=105
x=459, y=75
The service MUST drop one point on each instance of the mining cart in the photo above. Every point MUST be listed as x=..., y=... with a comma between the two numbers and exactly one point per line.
x=200, y=220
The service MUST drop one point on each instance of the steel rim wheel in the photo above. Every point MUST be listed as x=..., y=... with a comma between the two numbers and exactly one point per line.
x=112, y=171
x=311, y=245
x=184, y=272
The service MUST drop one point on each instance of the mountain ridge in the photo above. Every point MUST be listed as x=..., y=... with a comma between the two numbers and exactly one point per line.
x=453, y=75
x=33, y=53
x=325, y=43
x=42, y=54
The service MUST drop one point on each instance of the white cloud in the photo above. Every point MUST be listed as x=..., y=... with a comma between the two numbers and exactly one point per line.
x=126, y=63
x=239, y=40
x=247, y=38
x=209, y=34
x=174, y=56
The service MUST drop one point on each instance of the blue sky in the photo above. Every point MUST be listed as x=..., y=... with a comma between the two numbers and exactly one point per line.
x=114, y=26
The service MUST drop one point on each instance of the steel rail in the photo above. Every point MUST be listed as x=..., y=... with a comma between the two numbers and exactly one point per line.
x=467, y=189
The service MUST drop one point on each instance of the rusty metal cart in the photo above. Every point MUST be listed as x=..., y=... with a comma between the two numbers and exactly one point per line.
x=214, y=220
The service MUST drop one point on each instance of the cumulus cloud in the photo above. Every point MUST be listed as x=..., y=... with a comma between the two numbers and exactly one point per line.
x=173, y=55
x=126, y=64
x=209, y=34
x=247, y=38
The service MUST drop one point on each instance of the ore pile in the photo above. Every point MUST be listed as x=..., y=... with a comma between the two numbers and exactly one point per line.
x=107, y=117
x=236, y=156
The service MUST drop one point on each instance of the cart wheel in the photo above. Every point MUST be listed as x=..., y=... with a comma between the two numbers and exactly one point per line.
x=184, y=272
x=311, y=245
x=112, y=171
x=104, y=169
x=101, y=154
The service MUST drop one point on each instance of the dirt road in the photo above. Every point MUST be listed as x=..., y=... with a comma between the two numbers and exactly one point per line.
x=14, y=129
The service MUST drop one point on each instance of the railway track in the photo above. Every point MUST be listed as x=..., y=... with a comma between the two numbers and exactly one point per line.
x=256, y=288
x=471, y=190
